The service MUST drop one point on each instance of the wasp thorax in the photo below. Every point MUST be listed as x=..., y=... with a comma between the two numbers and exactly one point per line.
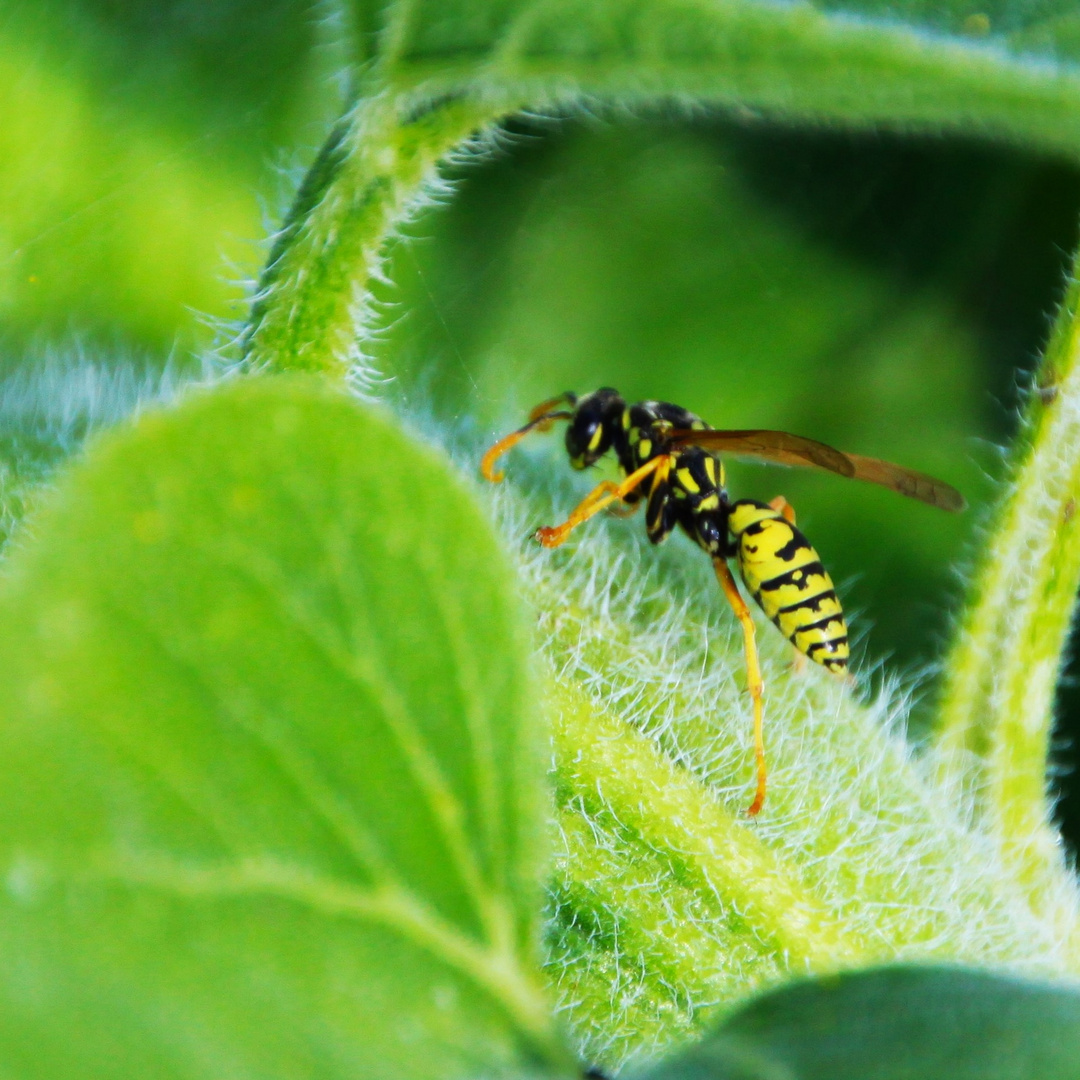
x=593, y=426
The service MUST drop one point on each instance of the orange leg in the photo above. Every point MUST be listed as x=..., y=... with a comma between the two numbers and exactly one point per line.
x=753, y=675
x=602, y=495
x=787, y=511
x=487, y=462
x=540, y=419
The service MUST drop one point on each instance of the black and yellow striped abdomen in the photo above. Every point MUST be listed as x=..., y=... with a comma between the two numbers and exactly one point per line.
x=786, y=578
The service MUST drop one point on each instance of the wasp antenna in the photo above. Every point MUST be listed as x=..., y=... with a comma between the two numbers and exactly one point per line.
x=545, y=408
x=541, y=422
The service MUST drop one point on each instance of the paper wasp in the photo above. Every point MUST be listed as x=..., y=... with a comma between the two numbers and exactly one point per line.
x=669, y=459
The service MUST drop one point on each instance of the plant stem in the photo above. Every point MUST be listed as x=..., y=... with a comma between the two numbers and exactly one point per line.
x=314, y=296
x=794, y=60
x=998, y=701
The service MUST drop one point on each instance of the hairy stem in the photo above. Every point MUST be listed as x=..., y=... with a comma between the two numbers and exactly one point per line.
x=312, y=301
x=1001, y=675
x=790, y=59
x=425, y=87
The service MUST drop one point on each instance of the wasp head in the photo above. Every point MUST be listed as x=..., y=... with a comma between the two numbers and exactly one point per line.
x=593, y=425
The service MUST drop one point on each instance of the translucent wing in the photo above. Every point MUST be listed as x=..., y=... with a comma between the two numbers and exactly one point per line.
x=783, y=448
x=915, y=485
x=779, y=446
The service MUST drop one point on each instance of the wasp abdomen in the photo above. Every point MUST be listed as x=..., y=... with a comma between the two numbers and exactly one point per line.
x=785, y=576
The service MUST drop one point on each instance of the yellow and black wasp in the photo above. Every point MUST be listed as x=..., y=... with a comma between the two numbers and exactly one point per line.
x=669, y=459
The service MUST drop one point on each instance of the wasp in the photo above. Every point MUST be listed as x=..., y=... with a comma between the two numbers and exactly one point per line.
x=670, y=461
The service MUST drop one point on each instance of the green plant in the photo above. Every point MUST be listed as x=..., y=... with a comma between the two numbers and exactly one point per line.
x=273, y=732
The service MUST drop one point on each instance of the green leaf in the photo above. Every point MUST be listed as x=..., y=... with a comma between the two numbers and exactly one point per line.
x=50, y=403
x=670, y=906
x=898, y=1023
x=272, y=771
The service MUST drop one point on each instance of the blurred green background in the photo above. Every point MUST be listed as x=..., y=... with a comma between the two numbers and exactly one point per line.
x=886, y=294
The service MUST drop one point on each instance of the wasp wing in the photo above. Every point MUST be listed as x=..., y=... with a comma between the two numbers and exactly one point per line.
x=783, y=448
x=779, y=446
x=915, y=485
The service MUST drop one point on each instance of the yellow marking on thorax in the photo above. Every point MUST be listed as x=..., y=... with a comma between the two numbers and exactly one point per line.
x=687, y=480
x=644, y=448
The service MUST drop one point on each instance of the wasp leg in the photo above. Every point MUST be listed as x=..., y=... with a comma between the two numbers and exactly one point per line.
x=487, y=462
x=753, y=675
x=627, y=510
x=784, y=508
x=602, y=495
x=591, y=504
x=662, y=511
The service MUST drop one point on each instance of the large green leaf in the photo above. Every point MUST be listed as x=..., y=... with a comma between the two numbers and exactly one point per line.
x=900, y=1023
x=272, y=774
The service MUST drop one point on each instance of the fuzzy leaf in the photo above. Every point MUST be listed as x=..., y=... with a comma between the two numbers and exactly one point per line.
x=669, y=906
x=895, y=1024
x=272, y=781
